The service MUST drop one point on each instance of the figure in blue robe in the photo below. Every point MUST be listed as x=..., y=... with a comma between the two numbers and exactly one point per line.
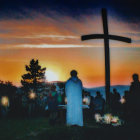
x=73, y=89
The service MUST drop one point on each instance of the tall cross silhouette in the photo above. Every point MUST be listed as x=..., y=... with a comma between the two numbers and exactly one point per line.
x=106, y=38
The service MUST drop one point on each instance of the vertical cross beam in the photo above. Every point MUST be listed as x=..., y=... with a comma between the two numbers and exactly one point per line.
x=107, y=55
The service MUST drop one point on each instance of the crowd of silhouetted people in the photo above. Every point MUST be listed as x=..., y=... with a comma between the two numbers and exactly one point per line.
x=126, y=106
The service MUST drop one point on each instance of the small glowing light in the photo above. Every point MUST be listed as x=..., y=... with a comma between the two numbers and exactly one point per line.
x=51, y=76
x=107, y=118
x=32, y=95
x=65, y=100
x=5, y=101
x=122, y=100
x=98, y=117
x=115, y=119
x=86, y=100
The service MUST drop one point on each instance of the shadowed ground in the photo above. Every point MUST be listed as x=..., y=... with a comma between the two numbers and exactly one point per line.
x=39, y=129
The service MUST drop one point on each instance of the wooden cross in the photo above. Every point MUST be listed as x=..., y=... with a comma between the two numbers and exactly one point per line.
x=106, y=38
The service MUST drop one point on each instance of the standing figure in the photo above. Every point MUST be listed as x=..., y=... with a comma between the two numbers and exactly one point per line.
x=126, y=106
x=135, y=86
x=4, y=106
x=53, y=105
x=134, y=100
x=116, y=105
x=73, y=89
x=99, y=103
x=91, y=107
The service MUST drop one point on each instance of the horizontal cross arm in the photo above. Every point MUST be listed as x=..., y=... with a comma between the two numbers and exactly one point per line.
x=102, y=36
x=92, y=36
x=120, y=38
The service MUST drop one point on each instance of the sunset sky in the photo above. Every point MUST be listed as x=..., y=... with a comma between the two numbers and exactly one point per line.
x=50, y=30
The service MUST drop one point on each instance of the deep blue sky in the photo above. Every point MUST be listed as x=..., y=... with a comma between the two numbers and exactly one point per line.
x=127, y=9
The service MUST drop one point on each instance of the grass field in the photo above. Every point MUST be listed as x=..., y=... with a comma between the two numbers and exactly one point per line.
x=39, y=129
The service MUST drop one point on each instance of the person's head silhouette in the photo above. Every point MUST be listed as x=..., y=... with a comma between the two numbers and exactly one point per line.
x=114, y=90
x=98, y=94
x=73, y=73
x=135, y=77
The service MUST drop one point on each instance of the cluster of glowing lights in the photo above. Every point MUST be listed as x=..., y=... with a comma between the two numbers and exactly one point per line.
x=108, y=119
x=4, y=101
x=51, y=76
x=32, y=95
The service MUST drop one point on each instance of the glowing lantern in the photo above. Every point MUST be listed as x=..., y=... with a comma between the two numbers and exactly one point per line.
x=86, y=100
x=122, y=100
x=65, y=100
x=98, y=117
x=5, y=101
x=32, y=95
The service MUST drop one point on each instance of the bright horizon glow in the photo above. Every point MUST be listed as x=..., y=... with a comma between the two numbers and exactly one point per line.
x=51, y=76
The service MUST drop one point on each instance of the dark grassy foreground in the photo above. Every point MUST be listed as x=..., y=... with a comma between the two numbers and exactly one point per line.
x=39, y=129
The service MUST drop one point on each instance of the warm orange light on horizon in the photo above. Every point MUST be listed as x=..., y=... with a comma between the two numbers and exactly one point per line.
x=51, y=76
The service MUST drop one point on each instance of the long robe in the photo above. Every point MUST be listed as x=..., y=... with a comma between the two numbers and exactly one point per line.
x=73, y=89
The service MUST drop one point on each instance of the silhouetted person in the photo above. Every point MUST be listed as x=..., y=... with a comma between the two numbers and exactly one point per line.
x=135, y=97
x=126, y=105
x=53, y=105
x=111, y=99
x=31, y=107
x=86, y=101
x=135, y=86
x=116, y=101
x=99, y=103
x=91, y=106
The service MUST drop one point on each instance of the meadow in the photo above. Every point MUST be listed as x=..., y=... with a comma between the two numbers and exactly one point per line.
x=39, y=129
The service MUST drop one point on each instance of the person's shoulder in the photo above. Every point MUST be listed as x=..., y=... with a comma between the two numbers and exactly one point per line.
x=132, y=83
x=68, y=80
x=79, y=80
x=103, y=99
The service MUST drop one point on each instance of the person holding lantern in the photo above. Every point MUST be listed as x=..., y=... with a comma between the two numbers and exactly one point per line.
x=4, y=105
x=31, y=103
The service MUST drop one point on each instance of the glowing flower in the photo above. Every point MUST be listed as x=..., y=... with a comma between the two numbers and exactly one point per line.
x=98, y=117
x=107, y=118
x=115, y=119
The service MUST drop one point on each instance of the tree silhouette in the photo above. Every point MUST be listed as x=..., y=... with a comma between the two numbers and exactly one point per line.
x=7, y=89
x=34, y=78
